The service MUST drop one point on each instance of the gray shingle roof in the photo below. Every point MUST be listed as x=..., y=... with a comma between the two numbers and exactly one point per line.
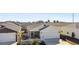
x=11, y=26
x=38, y=28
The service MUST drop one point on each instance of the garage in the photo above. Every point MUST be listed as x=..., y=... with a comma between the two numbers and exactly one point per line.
x=50, y=35
x=7, y=36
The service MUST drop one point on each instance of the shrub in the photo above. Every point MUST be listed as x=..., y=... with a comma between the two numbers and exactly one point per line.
x=42, y=43
x=31, y=42
x=26, y=42
x=35, y=42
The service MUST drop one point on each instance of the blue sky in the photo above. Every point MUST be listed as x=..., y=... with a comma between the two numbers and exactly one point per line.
x=29, y=17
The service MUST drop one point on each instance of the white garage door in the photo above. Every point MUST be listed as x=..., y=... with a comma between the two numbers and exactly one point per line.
x=6, y=37
x=49, y=34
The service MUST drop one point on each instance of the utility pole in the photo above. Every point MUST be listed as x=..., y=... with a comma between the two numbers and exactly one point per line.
x=73, y=17
x=74, y=25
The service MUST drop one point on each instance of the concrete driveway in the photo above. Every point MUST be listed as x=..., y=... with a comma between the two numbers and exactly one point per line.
x=7, y=43
x=52, y=41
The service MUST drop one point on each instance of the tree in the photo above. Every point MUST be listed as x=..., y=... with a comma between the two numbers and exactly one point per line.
x=57, y=21
x=54, y=21
x=48, y=20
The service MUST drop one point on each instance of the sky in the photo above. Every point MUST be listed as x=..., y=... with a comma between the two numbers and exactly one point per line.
x=30, y=17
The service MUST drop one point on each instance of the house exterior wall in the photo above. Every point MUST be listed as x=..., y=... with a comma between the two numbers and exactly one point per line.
x=49, y=32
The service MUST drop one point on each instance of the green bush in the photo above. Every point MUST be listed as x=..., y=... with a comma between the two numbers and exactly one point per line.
x=36, y=42
x=30, y=42
x=26, y=42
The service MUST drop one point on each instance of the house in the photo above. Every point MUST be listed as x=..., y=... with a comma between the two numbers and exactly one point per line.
x=8, y=33
x=35, y=32
x=33, y=25
x=48, y=32
x=7, y=36
x=50, y=35
x=12, y=26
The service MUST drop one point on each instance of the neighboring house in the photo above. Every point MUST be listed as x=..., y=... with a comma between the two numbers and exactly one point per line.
x=7, y=36
x=8, y=33
x=12, y=26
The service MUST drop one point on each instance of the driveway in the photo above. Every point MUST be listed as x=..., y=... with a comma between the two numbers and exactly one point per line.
x=52, y=41
x=7, y=43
